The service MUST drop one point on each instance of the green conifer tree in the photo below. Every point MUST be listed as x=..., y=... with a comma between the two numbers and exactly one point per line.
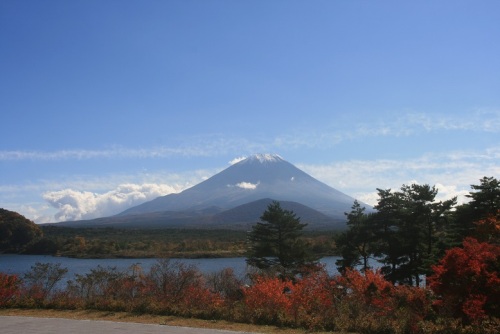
x=276, y=244
x=355, y=243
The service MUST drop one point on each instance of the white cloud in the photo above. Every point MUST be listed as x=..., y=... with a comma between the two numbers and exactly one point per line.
x=451, y=173
x=247, y=185
x=480, y=120
x=76, y=205
x=86, y=198
x=400, y=124
x=25, y=198
x=449, y=191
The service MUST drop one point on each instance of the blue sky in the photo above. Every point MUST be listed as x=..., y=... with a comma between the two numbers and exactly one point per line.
x=106, y=104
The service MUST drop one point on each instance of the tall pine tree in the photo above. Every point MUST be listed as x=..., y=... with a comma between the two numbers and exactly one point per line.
x=484, y=202
x=355, y=243
x=276, y=244
x=409, y=225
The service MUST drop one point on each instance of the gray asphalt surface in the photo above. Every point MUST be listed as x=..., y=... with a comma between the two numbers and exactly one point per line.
x=28, y=325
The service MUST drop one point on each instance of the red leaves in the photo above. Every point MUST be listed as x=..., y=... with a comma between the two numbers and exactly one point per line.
x=488, y=229
x=473, y=307
x=201, y=298
x=306, y=302
x=381, y=297
x=467, y=281
x=371, y=288
x=9, y=287
x=354, y=302
x=267, y=299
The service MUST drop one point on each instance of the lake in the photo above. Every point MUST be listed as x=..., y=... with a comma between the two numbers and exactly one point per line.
x=20, y=264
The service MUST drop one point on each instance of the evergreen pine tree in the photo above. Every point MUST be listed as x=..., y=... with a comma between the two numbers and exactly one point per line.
x=409, y=226
x=354, y=244
x=485, y=201
x=276, y=244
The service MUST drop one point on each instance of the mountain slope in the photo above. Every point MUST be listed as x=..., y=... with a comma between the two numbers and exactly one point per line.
x=241, y=217
x=250, y=213
x=257, y=177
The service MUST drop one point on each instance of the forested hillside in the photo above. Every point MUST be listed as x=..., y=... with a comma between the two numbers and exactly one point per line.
x=16, y=232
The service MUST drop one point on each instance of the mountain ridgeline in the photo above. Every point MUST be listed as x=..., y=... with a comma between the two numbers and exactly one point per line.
x=236, y=197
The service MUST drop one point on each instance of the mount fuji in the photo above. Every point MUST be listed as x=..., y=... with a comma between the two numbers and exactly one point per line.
x=237, y=196
x=257, y=177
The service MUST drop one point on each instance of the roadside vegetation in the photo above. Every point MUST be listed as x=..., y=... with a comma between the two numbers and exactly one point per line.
x=315, y=301
x=440, y=273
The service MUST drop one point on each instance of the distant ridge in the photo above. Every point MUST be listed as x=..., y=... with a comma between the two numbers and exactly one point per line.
x=251, y=213
x=238, y=196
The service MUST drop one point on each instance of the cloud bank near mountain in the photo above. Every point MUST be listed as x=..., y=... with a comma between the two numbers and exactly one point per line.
x=76, y=205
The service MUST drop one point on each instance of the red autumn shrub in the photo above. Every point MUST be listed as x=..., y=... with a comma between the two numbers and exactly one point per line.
x=370, y=303
x=266, y=300
x=488, y=229
x=412, y=305
x=311, y=301
x=371, y=288
x=467, y=281
x=200, y=301
x=226, y=284
x=9, y=287
x=168, y=280
x=361, y=302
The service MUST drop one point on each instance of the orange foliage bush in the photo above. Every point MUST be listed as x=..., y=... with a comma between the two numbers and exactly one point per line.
x=312, y=301
x=200, y=301
x=267, y=300
x=488, y=229
x=373, y=304
x=371, y=288
x=354, y=302
x=9, y=287
x=467, y=281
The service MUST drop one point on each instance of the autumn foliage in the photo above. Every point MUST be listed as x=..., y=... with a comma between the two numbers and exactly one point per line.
x=9, y=288
x=488, y=229
x=352, y=302
x=467, y=281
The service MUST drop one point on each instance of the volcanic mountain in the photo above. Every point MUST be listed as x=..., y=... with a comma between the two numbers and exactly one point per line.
x=257, y=177
x=239, y=195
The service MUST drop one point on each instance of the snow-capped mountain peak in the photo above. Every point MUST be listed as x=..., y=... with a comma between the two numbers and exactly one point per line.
x=259, y=178
x=263, y=158
x=256, y=177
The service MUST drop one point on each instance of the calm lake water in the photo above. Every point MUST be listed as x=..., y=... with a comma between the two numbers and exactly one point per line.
x=20, y=264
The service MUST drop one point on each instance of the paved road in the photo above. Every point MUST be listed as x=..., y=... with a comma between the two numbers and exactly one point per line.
x=29, y=325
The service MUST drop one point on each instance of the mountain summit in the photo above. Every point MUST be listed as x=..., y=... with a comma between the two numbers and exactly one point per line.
x=260, y=176
x=264, y=158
